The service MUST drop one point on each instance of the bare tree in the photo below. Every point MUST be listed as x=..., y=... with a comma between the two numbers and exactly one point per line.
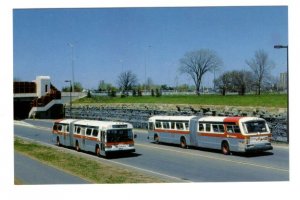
x=235, y=81
x=241, y=81
x=197, y=63
x=224, y=82
x=126, y=81
x=261, y=66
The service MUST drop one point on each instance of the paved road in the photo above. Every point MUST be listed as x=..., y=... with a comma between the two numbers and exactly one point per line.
x=32, y=172
x=191, y=165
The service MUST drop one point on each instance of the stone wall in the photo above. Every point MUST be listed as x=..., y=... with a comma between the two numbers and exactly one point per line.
x=138, y=114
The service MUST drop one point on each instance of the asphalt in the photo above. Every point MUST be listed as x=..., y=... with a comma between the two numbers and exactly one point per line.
x=32, y=172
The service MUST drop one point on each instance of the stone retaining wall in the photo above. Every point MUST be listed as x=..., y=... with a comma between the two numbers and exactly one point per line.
x=138, y=114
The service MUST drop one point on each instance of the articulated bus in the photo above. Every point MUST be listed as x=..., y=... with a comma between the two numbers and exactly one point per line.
x=101, y=137
x=237, y=134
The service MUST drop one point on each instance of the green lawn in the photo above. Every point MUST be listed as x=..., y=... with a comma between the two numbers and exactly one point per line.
x=89, y=169
x=265, y=100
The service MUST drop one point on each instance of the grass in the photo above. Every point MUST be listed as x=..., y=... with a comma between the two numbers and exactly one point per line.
x=265, y=100
x=91, y=170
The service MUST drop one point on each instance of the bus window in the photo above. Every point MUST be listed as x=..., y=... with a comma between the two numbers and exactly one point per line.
x=59, y=127
x=151, y=126
x=55, y=127
x=237, y=129
x=221, y=128
x=186, y=125
x=67, y=128
x=233, y=129
x=88, y=131
x=78, y=130
x=207, y=126
x=158, y=124
x=255, y=126
x=215, y=128
x=95, y=132
x=179, y=125
x=166, y=125
x=230, y=129
x=172, y=125
x=201, y=127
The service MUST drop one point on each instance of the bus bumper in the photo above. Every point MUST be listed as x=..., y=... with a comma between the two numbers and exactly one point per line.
x=258, y=147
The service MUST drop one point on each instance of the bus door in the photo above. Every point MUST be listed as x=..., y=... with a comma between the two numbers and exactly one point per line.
x=102, y=143
x=71, y=131
x=193, y=131
x=82, y=133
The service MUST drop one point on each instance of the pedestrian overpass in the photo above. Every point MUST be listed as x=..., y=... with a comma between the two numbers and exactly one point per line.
x=37, y=99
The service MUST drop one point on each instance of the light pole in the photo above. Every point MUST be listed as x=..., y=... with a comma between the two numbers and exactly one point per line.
x=72, y=63
x=278, y=46
x=69, y=81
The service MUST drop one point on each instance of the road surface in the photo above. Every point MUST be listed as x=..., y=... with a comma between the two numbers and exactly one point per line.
x=184, y=165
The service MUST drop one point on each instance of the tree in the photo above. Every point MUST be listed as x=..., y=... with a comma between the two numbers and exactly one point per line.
x=77, y=88
x=224, y=82
x=104, y=86
x=241, y=81
x=126, y=81
x=198, y=63
x=261, y=66
x=235, y=81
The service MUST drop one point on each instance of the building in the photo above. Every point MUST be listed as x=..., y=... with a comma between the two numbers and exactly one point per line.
x=37, y=99
x=283, y=81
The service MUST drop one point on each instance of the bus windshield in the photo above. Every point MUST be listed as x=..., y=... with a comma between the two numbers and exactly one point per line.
x=257, y=126
x=119, y=135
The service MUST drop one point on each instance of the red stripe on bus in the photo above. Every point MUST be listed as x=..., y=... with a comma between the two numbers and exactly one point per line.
x=171, y=131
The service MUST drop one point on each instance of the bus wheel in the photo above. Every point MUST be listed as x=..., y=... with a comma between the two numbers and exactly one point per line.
x=57, y=141
x=97, y=150
x=77, y=146
x=225, y=148
x=156, y=139
x=183, y=143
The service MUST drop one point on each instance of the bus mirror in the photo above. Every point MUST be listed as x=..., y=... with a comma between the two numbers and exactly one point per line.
x=135, y=136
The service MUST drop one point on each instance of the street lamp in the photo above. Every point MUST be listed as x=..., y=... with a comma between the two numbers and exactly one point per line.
x=69, y=81
x=278, y=46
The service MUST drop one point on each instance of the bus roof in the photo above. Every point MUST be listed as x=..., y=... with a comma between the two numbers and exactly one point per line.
x=212, y=119
x=85, y=122
x=177, y=118
x=66, y=121
x=106, y=124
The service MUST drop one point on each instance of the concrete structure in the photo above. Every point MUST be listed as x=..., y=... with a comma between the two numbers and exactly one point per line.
x=37, y=99
x=283, y=81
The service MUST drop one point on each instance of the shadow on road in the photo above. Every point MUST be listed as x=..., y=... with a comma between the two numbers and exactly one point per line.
x=114, y=155
x=240, y=154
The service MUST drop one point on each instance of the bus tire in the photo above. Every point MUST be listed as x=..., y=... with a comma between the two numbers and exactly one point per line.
x=225, y=148
x=57, y=141
x=97, y=150
x=183, y=143
x=77, y=146
x=156, y=139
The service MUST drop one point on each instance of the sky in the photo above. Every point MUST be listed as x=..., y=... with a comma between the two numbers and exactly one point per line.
x=148, y=41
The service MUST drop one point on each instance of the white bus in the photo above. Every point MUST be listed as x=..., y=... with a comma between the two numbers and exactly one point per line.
x=101, y=137
x=238, y=134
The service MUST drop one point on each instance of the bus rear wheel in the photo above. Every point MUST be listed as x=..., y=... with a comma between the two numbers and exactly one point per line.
x=77, y=146
x=57, y=141
x=183, y=143
x=97, y=150
x=156, y=139
x=225, y=148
